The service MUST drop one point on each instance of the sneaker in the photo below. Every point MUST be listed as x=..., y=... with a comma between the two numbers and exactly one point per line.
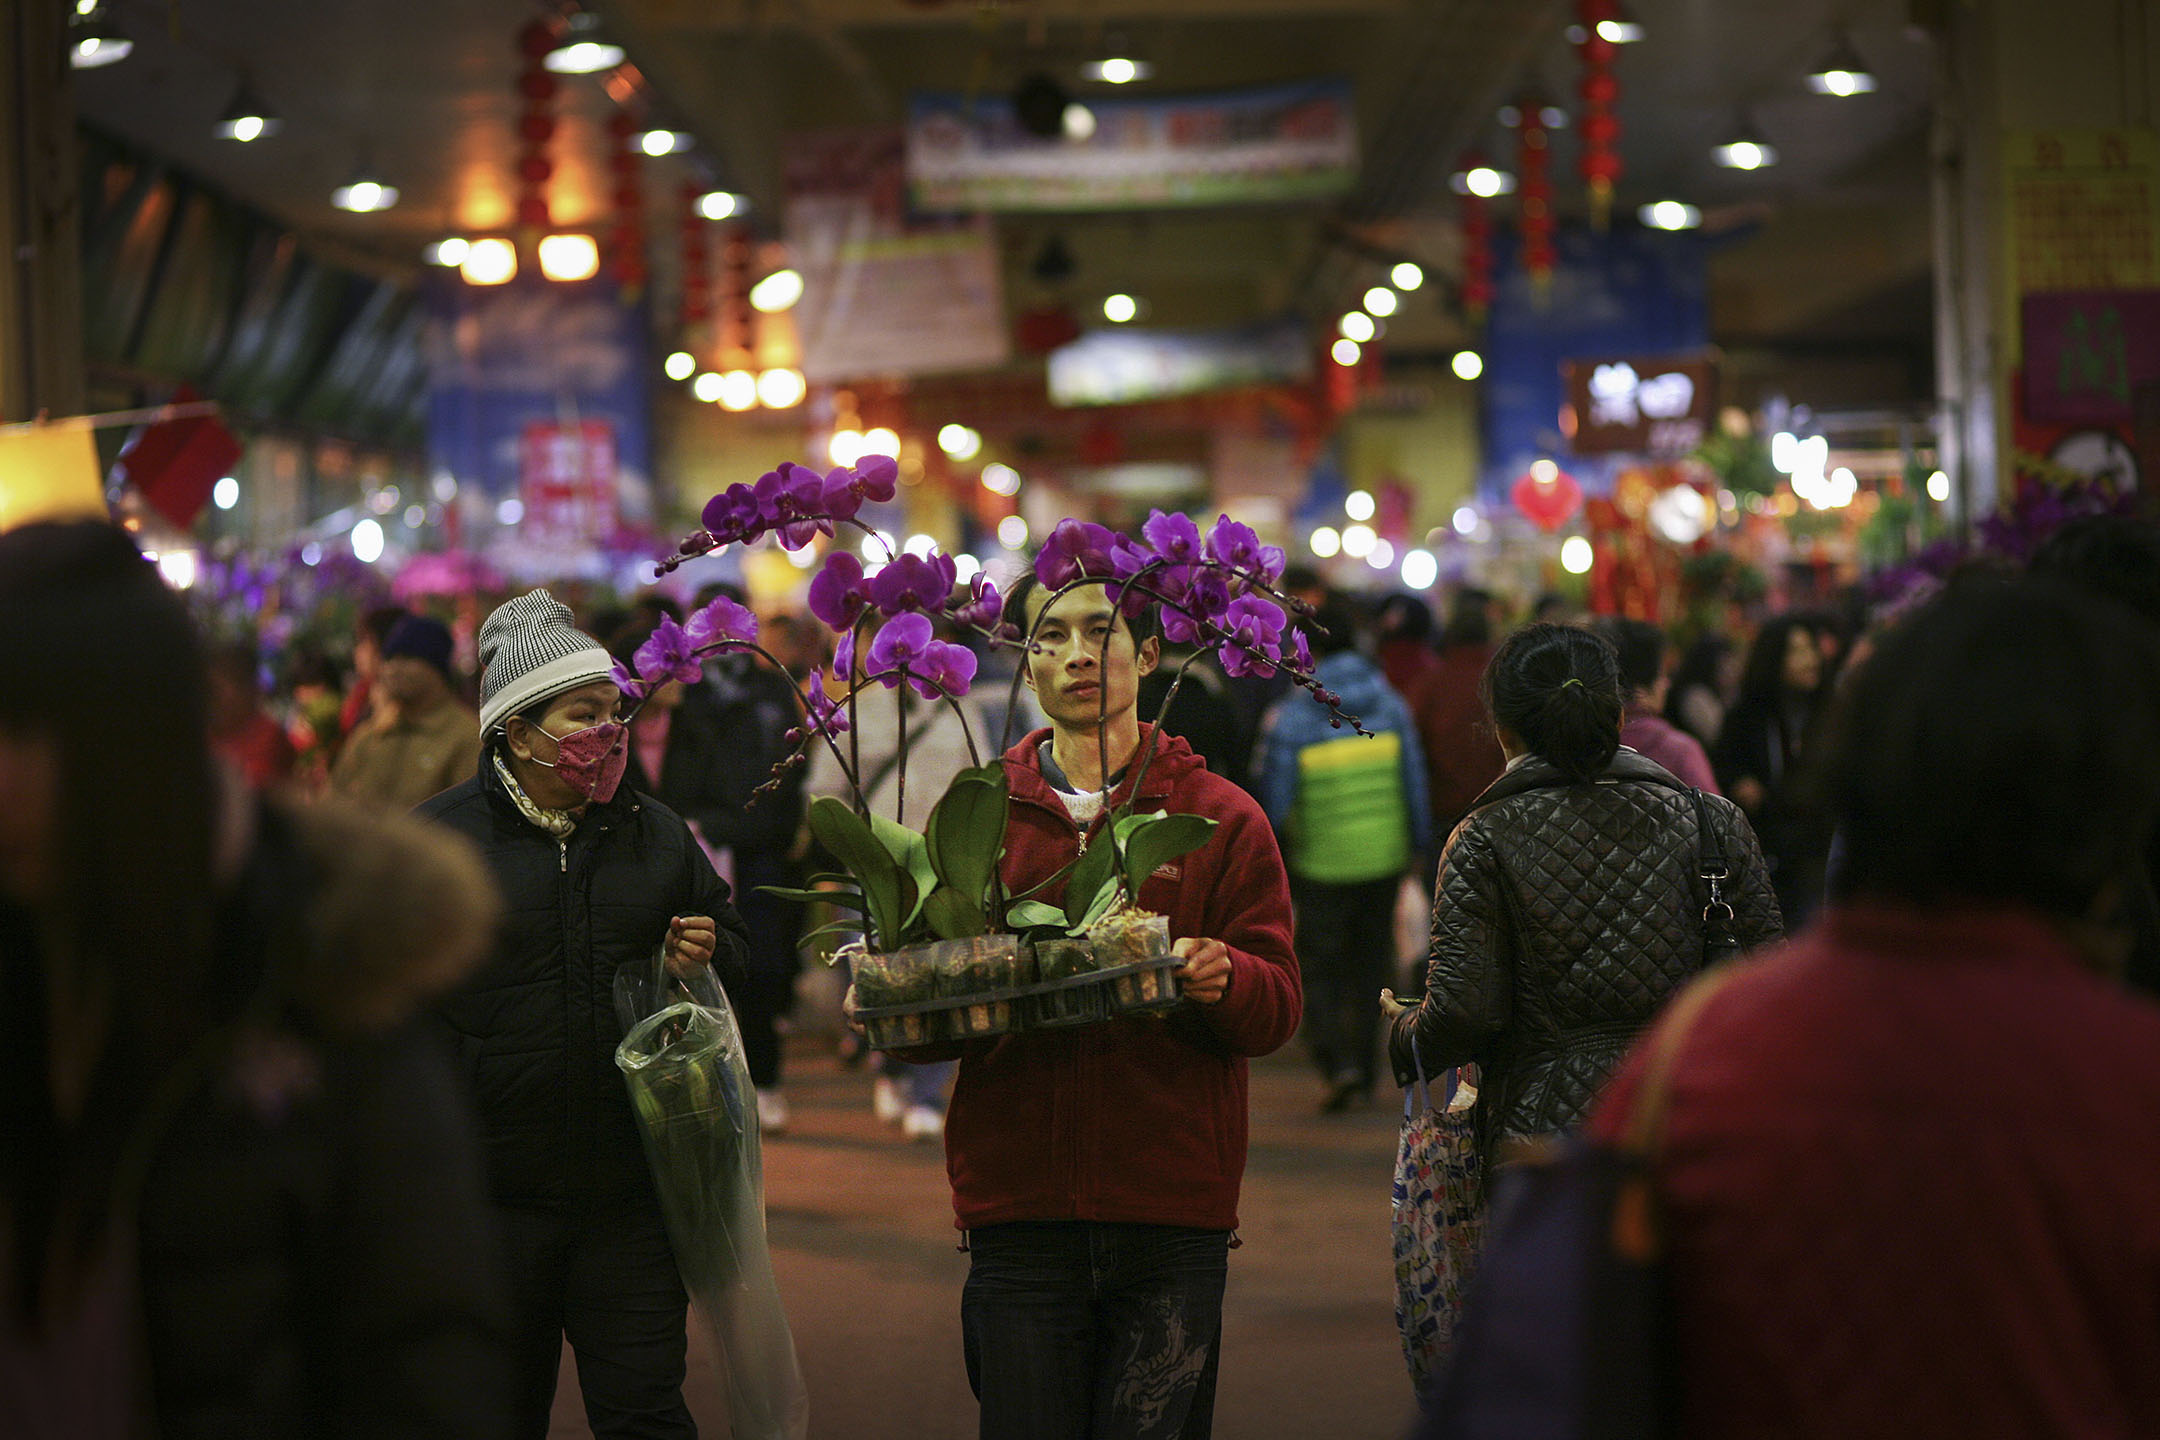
x=772, y=1112
x=923, y=1122
x=886, y=1102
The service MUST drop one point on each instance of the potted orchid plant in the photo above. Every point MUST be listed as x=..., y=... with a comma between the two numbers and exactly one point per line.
x=942, y=941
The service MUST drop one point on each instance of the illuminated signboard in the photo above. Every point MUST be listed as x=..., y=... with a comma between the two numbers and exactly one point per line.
x=1642, y=405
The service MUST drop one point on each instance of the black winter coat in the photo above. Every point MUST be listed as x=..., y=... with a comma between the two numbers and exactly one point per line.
x=1566, y=914
x=536, y=1028
x=316, y=1251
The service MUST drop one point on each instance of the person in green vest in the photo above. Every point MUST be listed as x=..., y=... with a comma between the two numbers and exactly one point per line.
x=1353, y=816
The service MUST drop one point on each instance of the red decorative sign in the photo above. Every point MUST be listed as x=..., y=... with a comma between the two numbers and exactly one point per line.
x=566, y=478
x=1477, y=283
x=2087, y=353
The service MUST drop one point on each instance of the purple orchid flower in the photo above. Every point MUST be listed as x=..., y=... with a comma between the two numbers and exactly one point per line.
x=983, y=606
x=826, y=713
x=720, y=623
x=871, y=478
x=1201, y=598
x=838, y=591
x=914, y=582
x=1272, y=564
x=843, y=659
x=732, y=515
x=1300, y=652
x=1076, y=549
x=1233, y=544
x=668, y=655
x=1175, y=537
x=791, y=500
x=946, y=669
x=899, y=647
x=633, y=689
x=1127, y=560
x=1252, y=629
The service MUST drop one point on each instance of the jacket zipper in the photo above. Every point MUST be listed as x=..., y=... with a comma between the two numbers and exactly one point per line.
x=562, y=846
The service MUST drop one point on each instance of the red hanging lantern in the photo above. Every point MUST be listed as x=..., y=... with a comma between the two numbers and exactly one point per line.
x=697, y=304
x=1477, y=260
x=1546, y=494
x=738, y=321
x=1600, y=127
x=536, y=90
x=626, y=238
x=1534, y=187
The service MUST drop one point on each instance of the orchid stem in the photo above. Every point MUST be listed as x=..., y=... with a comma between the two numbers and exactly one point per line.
x=900, y=771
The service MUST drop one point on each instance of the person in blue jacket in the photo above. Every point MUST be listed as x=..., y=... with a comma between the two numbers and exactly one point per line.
x=1353, y=817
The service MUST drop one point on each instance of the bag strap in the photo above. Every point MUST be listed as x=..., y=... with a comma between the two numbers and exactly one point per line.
x=1712, y=868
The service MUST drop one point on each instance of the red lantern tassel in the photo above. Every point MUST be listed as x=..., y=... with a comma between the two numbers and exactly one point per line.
x=1534, y=185
x=1600, y=125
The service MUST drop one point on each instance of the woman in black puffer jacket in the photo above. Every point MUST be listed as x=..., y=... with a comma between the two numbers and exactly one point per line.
x=1570, y=900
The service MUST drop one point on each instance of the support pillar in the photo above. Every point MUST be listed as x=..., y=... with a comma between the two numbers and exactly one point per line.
x=41, y=326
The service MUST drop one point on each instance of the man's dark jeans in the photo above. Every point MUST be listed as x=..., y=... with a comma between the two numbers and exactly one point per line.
x=1084, y=1331
x=1346, y=946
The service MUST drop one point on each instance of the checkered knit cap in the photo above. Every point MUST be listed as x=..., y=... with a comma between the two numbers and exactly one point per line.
x=530, y=650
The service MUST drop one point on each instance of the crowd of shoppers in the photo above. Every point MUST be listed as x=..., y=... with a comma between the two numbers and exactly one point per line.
x=316, y=1006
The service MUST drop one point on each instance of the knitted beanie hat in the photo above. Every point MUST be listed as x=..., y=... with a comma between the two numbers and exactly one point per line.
x=417, y=637
x=530, y=650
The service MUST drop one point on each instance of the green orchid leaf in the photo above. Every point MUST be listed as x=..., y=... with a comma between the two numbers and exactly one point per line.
x=953, y=915
x=967, y=831
x=844, y=899
x=1094, y=872
x=912, y=853
x=1028, y=914
x=1160, y=839
x=842, y=832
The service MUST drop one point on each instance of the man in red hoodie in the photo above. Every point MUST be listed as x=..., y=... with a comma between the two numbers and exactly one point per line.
x=1096, y=1171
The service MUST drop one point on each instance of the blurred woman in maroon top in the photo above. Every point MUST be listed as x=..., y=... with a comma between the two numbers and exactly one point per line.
x=1911, y=1172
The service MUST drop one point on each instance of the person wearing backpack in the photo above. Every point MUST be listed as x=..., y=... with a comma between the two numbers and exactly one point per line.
x=1353, y=816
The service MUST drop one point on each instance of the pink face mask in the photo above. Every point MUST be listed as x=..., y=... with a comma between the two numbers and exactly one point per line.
x=591, y=761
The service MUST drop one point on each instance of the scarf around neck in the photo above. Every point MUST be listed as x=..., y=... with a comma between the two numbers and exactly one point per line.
x=558, y=823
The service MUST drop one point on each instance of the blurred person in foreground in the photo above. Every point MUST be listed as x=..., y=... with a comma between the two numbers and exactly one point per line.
x=1761, y=745
x=1403, y=634
x=1643, y=649
x=421, y=738
x=1908, y=1180
x=594, y=878
x=1352, y=815
x=239, y=1193
x=1570, y=902
x=242, y=729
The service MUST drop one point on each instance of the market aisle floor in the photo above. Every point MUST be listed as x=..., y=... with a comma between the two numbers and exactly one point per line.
x=864, y=1248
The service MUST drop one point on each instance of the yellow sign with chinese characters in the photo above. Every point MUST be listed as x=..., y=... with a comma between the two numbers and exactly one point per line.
x=2082, y=213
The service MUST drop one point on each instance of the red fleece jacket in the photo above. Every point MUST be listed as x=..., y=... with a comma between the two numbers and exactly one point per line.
x=1141, y=1120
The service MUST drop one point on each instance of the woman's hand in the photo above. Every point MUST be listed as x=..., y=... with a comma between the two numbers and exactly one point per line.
x=1390, y=1007
x=690, y=942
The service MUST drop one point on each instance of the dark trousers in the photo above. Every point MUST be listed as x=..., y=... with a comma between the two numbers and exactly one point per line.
x=1083, y=1331
x=1346, y=947
x=608, y=1282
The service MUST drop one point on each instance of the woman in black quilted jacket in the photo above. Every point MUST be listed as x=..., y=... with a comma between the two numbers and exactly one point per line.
x=1571, y=898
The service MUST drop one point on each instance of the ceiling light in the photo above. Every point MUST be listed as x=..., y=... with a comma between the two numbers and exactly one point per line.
x=367, y=541
x=1552, y=117
x=1120, y=309
x=1358, y=505
x=492, y=261
x=707, y=387
x=569, y=257
x=1345, y=352
x=1358, y=326
x=1670, y=215
x=1482, y=181
x=247, y=118
x=1381, y=301
x=364, y=194
x=226, y=493
x=845, y=447
x=1117, y=71
x=1842, y=72
x=1747, y=150
x=663, y=142
x=738, y=391
x=582, y=50
x=180, y=568
x=721, y=204
x=1382, y=554
x=1420, y=571
x=1621, y=30
x=1467, y=365
x=1358, y=541
x=98, y=44
x=777, y=292
x=1464, y=520
x=1012, y=532
x=782, y=388
x=881, y=440
x=959, y=442
x=1079, y=122
x=1576, y=555
x=1001, y=479
x=450, y=251
x=680, y=366
x=1407, y=276
x=1938, y=488
x=1326, y=542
